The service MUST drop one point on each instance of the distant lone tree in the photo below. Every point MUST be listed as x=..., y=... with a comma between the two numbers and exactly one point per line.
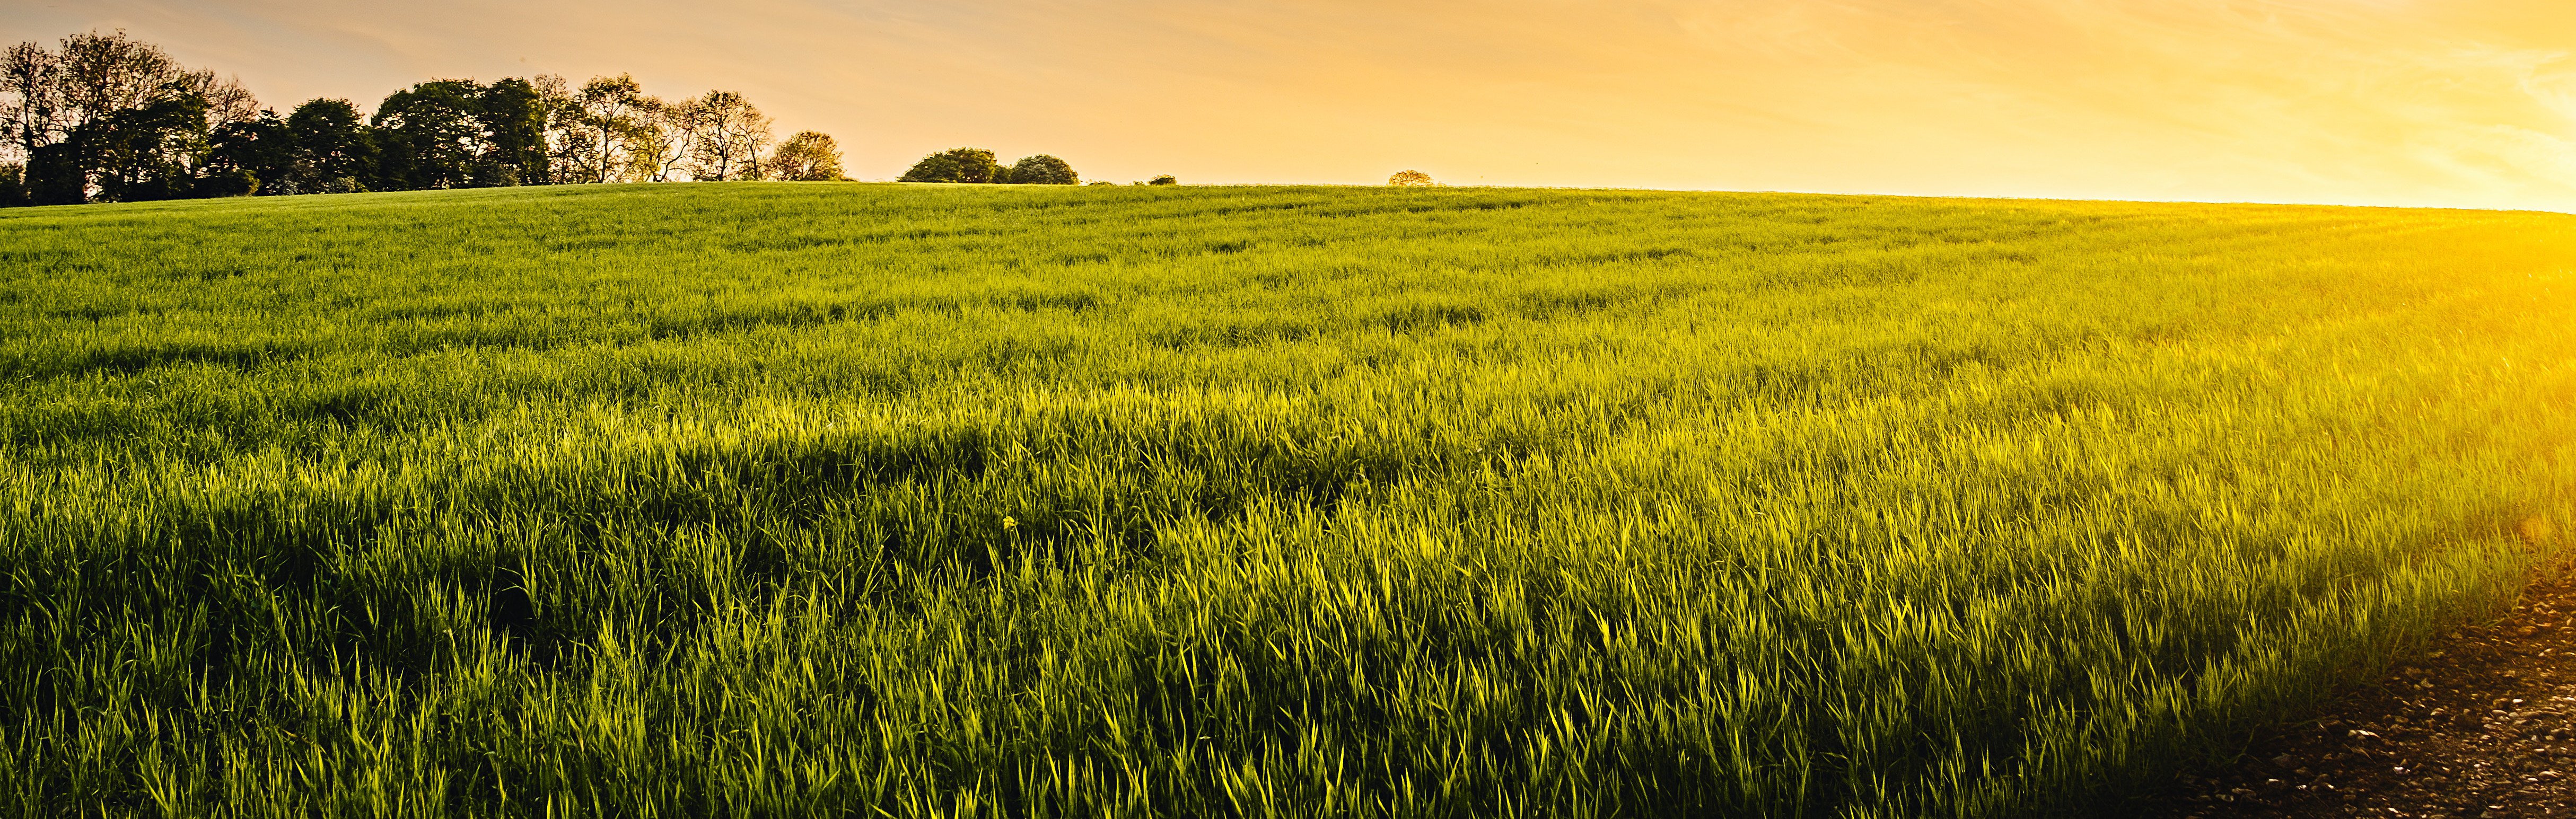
x=1043, y=170
x=1410, y=179
x=970, y=165
x=1165, y=179
x=809, y=156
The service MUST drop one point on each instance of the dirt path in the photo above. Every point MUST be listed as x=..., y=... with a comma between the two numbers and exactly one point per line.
x=2485, y=727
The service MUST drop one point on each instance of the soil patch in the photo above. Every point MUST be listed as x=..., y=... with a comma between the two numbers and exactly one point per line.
x=2485, y=726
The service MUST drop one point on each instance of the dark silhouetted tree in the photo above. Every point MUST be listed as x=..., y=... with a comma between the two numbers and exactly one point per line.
x=260, y=147
x=429, y=137
x=33, y=110
x=513, y=116
x=333, y=150
x=153, y=152
x=58, y=102
x=1165, y=179
x=460, y=134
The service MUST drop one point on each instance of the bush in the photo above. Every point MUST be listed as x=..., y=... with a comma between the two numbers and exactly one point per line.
x=1410, y=179
x=13, y=185
x=1043, y=170
x=235, y=182
x=1165, y=179
x=969, y=165
x=55, y=176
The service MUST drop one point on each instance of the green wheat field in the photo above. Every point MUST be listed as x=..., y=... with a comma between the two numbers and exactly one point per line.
x=770, y=499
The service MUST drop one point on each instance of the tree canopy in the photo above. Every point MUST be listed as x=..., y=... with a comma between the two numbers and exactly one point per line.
x=110, y=117
x=433, y=139
x=329, y=148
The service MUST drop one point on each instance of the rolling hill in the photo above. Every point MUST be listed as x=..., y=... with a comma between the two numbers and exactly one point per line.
x=763, y=499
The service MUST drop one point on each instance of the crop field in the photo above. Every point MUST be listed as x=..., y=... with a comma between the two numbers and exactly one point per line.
x=757, y=499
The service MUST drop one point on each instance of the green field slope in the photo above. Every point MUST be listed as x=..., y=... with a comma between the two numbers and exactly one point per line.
x=877, y=500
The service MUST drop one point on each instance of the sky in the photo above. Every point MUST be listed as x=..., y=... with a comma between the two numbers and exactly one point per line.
x=2458, y=103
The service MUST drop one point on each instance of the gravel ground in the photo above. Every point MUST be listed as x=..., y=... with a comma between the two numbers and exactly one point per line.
x=2483, y=727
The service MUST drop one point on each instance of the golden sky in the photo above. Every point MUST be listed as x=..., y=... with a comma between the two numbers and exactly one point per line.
x=2409, y=102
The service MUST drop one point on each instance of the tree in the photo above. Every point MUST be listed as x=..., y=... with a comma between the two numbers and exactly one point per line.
x=28, y=72
x=332, y=149
x=809, y=156
x=261, y=147
x=969, y=165
x=1165, y=179
x=227, y=100
x=431, y=136
x=1043, y=170
x=555, y=115
x=93, y=76
x=152, y=152
x=731, y=134
x=463, y=134
x=1410, y=179
x=607, y=131
x=513, y=115
x=104, y=74
x=669, y=137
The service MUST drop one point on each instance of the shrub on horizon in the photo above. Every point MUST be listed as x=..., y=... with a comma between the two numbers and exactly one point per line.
x=968, y=165
x=234, y=182
x=1043, y=170
x=13, y=185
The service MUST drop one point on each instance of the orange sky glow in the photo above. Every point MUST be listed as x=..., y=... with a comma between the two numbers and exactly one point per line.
x=2468, y=103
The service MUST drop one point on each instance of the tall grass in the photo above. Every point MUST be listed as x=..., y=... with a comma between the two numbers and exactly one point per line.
x=866, y=500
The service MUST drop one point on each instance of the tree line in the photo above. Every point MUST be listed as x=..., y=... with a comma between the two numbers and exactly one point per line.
x=107, y=118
